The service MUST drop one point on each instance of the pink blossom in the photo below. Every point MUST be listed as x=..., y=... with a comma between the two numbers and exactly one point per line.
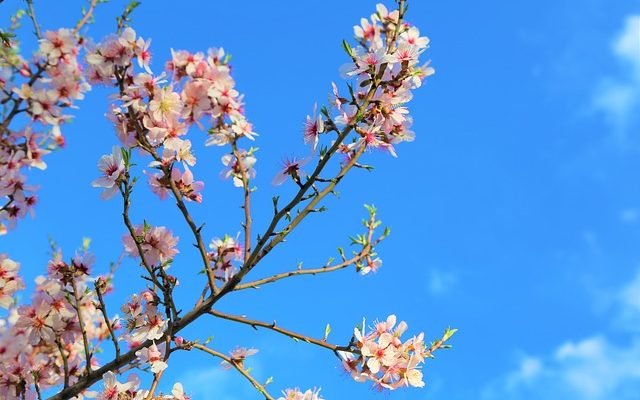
x=178, y=392
x=189, y=188
x=157, y=243
x=235, y=167
x=291, y=168
x=112, y=168
x=151, y=355
x=165, y=104
x=313, y=127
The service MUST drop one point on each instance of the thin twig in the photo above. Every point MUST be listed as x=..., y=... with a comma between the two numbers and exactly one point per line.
x=32, y=14
x=65, y=363
x=103, y=308
x=272, y=326
x=237, y=366
x=311, y=271
x=85, y=340
x=247, y=201
x=85, y=18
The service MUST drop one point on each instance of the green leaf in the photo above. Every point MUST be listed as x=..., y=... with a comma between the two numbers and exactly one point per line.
x=327, y=331
x=448, y=333
x=347, y=48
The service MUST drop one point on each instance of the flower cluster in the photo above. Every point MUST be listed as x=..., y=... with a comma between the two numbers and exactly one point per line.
x=143, y=320
x=41, y=90
x=157, y=243
x=296, y=394
x=42, y=342
x=223, y=254
x=153, y=356
x=385, y=67
x=155, y=112
x=384, y=358
x=10, y=282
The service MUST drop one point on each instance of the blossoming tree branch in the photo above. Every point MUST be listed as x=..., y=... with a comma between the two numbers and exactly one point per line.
x=51, y=345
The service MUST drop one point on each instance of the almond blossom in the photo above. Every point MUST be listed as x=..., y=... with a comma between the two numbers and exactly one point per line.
x=313, y=127
x=152, y=356
x=157, y=243
x=297, y=394
x=178, y=392
x=39, y=90
x=291, y=168
x=112, y=168
x=10, y=282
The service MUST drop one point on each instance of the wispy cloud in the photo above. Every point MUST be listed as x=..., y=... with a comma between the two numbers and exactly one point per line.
x=630, y=215
x=629, y=305
x=440, y=281
x=590, y=369
x=618, y=98
x=599, y=367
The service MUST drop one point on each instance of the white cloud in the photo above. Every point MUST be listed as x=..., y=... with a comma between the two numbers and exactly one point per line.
x=618, y=98
x=590, y=369
x=440, y=282
x=628, y=299
x=627, y=45
x=598, y=367
x=630, y=215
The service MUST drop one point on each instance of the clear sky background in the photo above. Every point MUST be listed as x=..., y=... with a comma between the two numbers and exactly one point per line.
x=515, y=214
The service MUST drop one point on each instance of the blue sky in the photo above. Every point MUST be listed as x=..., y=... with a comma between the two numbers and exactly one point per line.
x=515, y=214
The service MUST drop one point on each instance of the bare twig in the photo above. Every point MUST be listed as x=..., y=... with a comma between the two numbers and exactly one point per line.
x=237, y=366
x=272, y=326
x=65, y=363
x=103, y=308
x=311, y=271
x=85, y=340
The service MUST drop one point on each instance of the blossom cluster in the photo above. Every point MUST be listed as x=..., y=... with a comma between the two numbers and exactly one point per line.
x=143, y=320
x=225, y=254
x=130, y=390
x=297, y=394
x=157, y=243
x=384, y=358
x=40, y=89
x=10, y=282
x=385, y=67
x=42, y=342
x=155, y=112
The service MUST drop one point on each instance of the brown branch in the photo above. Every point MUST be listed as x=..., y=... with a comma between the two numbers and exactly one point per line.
x=85, y=340
x=103, y=308
x=194, y=229
x=65, y=363
x=259, y=251
x=247, y=201
x=272, y=326
x=36, y=385
x=237, y=366
x=298, y=272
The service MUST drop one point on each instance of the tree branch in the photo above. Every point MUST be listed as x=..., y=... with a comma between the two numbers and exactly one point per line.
x=237, y=366
x=272, y=326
